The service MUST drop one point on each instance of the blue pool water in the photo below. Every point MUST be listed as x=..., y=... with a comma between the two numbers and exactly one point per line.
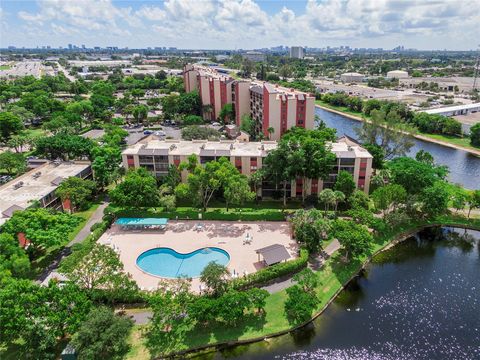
x=168, y=263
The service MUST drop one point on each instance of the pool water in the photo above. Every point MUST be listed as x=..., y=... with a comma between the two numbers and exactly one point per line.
x=168, y=263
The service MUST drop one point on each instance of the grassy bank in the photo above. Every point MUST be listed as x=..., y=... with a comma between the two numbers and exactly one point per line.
x=332, y=277
x=454, y=141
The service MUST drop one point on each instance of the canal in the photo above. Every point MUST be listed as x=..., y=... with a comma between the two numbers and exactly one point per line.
x=464, y=167
x=417, y=300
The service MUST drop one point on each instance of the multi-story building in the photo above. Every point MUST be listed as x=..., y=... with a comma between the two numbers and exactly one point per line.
x=39, y=185
x=157, y=155
x=270, y=106
x=297, y=52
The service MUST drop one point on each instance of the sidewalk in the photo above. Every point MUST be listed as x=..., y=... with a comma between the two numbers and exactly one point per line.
x=318, y=262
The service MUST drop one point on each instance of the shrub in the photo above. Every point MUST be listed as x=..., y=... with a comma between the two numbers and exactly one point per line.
x=270, y=273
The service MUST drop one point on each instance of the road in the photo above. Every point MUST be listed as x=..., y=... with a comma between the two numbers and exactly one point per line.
x=65, y=72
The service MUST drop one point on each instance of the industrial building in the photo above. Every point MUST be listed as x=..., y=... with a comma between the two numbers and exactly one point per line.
x=455, y=84
x=255, y=56
x=297, y=52
x=397, y=74
x=463, y=109
x=270, y=106
x=39, y=185
x=352, y=77
x=157, y=155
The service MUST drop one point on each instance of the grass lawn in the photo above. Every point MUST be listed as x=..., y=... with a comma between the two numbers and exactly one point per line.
x=35, y=132
x=455, y=140
x=5, y=67
x=43, y=261
x=343, y=109
x=332, y=276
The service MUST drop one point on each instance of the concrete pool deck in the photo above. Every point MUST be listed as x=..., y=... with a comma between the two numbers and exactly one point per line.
x=183, y=237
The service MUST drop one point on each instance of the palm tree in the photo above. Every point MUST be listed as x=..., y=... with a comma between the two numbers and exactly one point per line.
x=270, y=131
x=339, y=197
x=327, y=196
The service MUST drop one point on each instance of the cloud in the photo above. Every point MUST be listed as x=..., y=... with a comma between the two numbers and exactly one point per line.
x=230, y=23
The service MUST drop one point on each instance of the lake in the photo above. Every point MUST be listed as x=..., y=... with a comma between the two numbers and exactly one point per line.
x=417, y=300
x=464, y=167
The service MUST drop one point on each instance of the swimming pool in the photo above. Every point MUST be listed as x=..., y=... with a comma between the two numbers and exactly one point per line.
x=168, y=263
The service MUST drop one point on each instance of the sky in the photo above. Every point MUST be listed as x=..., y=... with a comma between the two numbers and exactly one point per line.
x=242, y=24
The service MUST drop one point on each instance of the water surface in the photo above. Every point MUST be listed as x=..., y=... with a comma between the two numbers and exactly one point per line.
x=418, y=300
x=464, y=167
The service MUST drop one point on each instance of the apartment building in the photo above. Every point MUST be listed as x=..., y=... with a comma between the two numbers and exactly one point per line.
x=157, y=155
x=297, y=52
x=270, y=106
x=39, y=185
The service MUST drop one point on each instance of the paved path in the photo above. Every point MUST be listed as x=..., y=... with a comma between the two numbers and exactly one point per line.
x=84, y=232
x=318, y=262
x=140, y=318
x=96, y=217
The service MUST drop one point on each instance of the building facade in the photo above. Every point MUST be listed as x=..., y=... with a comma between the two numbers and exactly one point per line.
x=157, y=155
x=273, y=108
x=297, y=52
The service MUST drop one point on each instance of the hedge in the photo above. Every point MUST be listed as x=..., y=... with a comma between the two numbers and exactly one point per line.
x=271, y=273
x=184, y=213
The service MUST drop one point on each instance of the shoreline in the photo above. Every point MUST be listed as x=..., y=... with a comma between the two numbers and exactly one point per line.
x=400, y=237
x=419, y=137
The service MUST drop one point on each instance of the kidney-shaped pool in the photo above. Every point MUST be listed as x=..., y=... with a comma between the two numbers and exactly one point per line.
x=168, y=263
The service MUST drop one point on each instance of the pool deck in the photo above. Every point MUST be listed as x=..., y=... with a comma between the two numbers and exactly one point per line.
x=183, y=237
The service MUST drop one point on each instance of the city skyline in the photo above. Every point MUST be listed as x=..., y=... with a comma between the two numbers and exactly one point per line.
x=428, y=25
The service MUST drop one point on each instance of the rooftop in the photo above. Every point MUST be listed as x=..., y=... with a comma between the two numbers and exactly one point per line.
x=35, y=185
x=344, y=148
x=453, y=108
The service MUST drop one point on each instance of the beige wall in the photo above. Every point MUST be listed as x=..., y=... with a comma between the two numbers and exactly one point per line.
x=310, y=113
x=244, y=97
x=274, y=116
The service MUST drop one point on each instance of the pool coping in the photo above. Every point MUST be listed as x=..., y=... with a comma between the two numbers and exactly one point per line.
x=175, y=278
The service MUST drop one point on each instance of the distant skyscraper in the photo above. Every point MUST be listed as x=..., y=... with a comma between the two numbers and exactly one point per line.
x=296, y=52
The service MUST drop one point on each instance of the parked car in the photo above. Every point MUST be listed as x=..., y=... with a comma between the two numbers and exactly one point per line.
x=148, y=132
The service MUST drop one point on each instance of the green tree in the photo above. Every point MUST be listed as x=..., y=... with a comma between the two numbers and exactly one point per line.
x=140, y=113
x=10, y=124
x=237, y=190
x=14, y=260
x=42, y=227
x=435, y=199
x=100, y=269
x=285, y=71
x=345, y=183
x=475, y=135
x=195, y=132
x=204, y=181
x=388, y=131
x=255, y=180
x=311, y=229
x=414, y=175
x=247, y=125
x=77, y=190
x=192, y=120
x=83, y=109
x=354, y=238
x=473, y=201
x=327, y=197
x=215, y=277
x=102, y=335
x=64, y=146
x=106, y=165
x=389, y=197
x=359, y=200
x=378, y=155
x=13, y=163
x=302, y=298
x=139, y=189
x=226, y=114
x=424, y=157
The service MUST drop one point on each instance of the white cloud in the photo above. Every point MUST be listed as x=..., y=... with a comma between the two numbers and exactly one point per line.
x=243, y=23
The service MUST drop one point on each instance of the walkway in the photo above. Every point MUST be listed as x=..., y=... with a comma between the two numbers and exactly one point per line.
x=50, y=271
x=317, y=263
